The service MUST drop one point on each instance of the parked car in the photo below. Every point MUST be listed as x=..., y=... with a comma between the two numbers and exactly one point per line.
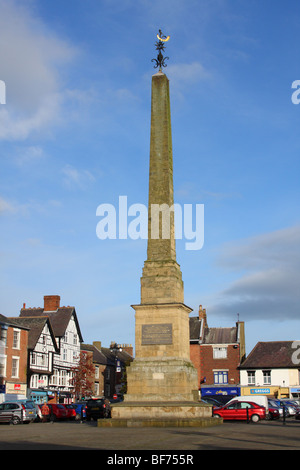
x=71, y=412
x=297, y=415
x=274, y=403
x=291, y=402
x=291, y=406
x=260, y=400
x=39, y=415
x=241, y=410
x=97, y=408
x=57, y=411
x=17, y=412
x=79, y=410
x=273, y=412
x=212, y=401
x=222, y=399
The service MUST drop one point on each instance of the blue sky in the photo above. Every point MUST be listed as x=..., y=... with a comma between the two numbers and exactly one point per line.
x=75, y=133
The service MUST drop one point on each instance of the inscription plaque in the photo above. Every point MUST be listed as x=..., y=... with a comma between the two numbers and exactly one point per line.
x=157, y=333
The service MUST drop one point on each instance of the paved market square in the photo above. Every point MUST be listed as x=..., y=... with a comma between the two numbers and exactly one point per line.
x=266, y=435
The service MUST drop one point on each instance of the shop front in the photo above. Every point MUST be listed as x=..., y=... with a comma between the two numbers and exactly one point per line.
x=65, y=397
x=38, y=396
x=295, y=392
x=223, y=393
x=270, y=392
x=15, y=388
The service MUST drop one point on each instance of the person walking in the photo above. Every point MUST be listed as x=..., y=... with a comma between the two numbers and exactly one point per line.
x=45, y=412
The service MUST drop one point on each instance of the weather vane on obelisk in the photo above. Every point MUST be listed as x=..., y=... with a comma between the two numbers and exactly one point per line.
x=160, y=47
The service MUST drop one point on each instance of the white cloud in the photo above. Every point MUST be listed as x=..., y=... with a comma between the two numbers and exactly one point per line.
x=28, y=155
x=76, y=178
x=187, y=73
x=268, y=286
x=23, y=209
x=6, y=206
x=30, y=57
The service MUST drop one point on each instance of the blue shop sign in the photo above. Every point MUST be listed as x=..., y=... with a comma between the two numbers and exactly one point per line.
x=255, y=391
x=220, y=391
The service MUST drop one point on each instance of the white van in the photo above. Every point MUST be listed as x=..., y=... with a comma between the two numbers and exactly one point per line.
x=261, y=400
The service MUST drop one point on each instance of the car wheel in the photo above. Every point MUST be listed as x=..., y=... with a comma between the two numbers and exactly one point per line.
x=15, y=420
x=255, y=418
x=216, y=415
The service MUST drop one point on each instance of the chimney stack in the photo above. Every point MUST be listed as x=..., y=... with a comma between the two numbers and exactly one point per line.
x=128, y=348
x=97, y=344
x=51, y=303
x=202, y=315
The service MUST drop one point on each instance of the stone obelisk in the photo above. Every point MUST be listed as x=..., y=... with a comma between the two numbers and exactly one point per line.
x=161, y=379
x=162, y=369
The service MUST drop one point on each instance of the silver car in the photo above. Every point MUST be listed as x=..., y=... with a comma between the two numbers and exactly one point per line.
x=17, y=412
x=291, y=405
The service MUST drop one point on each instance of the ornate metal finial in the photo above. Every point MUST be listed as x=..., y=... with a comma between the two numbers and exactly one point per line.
x=160, y=47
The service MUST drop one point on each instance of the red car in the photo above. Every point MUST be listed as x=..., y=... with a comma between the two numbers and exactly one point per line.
x=57, y=411
x=71, y=411
x=273, y=413
x=238, y=410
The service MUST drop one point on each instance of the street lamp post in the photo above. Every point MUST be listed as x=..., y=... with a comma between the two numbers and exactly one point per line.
x=115, y=349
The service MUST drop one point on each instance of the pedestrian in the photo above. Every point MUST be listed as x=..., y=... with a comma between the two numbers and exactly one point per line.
x=107, y=409
x=45, y=412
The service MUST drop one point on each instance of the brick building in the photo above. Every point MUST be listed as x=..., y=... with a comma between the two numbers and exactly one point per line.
x=13, y=357
x=101, y=365
x=217, y=354
x=110, y=367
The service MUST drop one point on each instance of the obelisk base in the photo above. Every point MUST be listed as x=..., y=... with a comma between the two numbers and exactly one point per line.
x=160, y=414
x=165, y=379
